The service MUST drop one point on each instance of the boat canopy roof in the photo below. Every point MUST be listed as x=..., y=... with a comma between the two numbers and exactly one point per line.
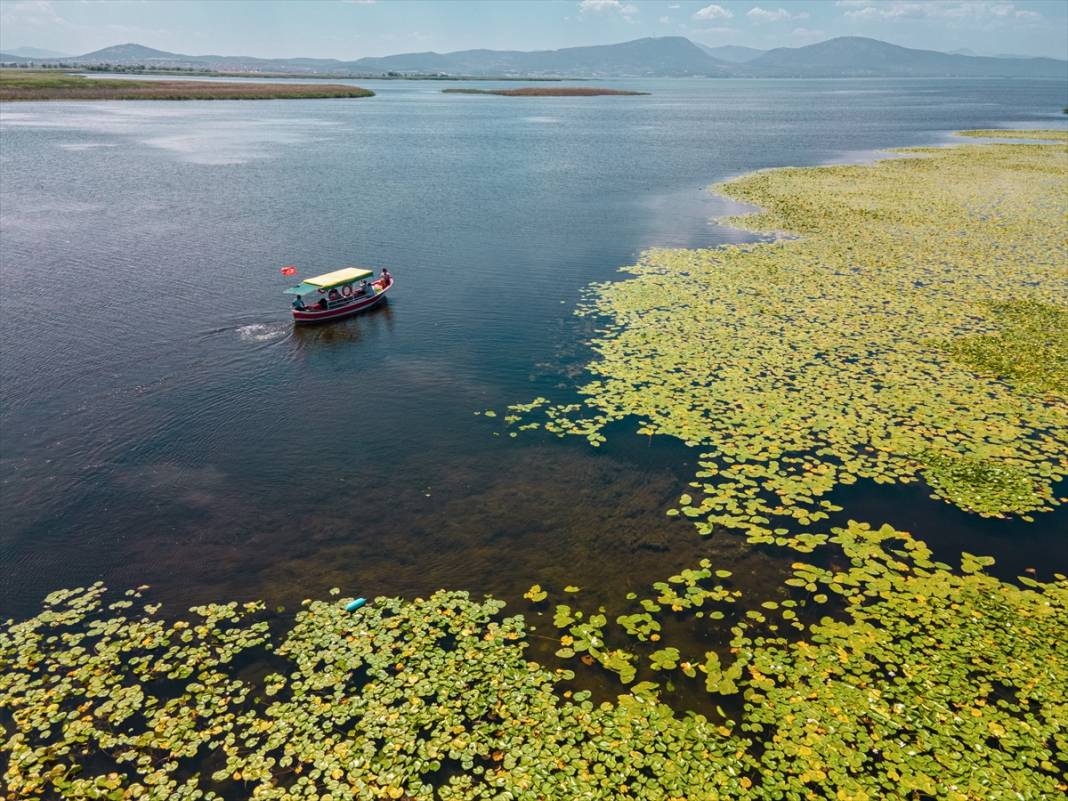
x=346, y=275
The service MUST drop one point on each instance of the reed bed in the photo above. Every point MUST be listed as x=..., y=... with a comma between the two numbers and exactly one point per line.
x=61, y=86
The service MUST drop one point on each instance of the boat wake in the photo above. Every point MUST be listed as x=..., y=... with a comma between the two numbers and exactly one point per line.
x=262, y=332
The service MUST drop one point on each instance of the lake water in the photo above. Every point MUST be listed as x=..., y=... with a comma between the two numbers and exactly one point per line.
x=162, y=422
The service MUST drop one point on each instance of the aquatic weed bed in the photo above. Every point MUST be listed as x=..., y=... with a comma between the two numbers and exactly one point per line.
x=912, y=333
x=933, y=683
x=915, y=326
x=20, y=85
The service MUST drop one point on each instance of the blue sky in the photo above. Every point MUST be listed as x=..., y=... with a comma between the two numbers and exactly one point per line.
x=350, y=29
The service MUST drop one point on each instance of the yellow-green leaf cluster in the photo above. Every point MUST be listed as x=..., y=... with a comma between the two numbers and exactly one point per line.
x=917, y=321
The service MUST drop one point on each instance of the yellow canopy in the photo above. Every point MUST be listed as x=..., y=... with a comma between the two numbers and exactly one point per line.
x=346, y=275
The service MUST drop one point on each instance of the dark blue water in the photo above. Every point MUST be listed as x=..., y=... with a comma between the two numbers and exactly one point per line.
x=163, y=423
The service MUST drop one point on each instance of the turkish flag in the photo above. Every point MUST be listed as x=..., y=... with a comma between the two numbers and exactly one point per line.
x=289, y=269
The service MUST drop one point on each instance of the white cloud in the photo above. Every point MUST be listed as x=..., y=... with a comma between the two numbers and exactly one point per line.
x=1031, y=15
x=758, y=14
x=713, y=12
x=35, y=13
x=665, y=20
x=942, y=9
x=627, y=10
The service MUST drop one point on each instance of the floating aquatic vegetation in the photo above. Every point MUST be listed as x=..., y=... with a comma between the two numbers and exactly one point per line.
x=931, y=686
x=802, y=365
x=866, y=350
x=944, y=682
x=928, y=682
x=984, y=485
x=1030, y=348
x=424, y=699
x=1060, y=135
x=536, y=593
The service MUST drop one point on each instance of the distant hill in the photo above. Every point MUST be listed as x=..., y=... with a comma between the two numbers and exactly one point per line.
x=34, y=53
x=857, y=56
x=128, y=54
x=735, y=54
x=662, y=56
x=667, y=56
x=966, y=51
x=133, y=54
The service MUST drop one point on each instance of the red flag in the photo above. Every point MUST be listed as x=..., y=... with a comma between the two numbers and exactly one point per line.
x=289, y=269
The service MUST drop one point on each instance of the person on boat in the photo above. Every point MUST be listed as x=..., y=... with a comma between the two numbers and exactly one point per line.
x=386, y=277
x=298, y=303
x=334, y=295
x=366, y=288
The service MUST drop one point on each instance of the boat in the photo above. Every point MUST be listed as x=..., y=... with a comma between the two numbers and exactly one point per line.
x=341, y=293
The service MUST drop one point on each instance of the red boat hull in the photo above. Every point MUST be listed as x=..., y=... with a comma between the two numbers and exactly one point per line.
x=346, y=308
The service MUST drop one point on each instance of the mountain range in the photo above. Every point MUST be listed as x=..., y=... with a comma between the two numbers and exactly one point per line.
x=735, y=54
x=668, y=56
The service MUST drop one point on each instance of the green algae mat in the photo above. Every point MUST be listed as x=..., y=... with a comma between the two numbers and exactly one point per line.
x=912, y=330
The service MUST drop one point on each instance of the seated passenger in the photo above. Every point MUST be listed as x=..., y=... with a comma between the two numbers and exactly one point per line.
x=298, y=303
x=334, y=294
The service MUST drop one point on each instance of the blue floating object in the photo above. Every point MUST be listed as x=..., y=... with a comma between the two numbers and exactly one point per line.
x=352, y=606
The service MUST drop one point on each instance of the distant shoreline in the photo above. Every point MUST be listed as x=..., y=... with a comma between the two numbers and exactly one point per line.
x=545, y=91
x=29, y=86
x=119, y=69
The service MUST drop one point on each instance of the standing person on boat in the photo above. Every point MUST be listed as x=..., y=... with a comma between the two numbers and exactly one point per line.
x=386, y=277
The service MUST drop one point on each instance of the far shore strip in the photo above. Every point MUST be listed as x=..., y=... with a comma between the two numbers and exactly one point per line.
x=543, y=91
x=45, y=86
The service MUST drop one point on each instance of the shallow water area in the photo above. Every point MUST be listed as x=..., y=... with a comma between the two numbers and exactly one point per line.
x=169, y=426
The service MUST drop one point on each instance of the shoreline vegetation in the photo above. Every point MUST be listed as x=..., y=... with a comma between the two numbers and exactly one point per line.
x=121, y=69
x=873, y=671
x=545, y=91
x=28, y=86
